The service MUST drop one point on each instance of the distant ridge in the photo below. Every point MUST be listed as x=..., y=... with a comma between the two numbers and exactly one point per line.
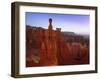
x=68, y=33
x=34, y=27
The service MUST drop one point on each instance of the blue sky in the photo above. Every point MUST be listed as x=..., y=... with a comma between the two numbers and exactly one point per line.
x=67, y=22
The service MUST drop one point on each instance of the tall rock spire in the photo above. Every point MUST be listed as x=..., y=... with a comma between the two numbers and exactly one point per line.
x=50, y=24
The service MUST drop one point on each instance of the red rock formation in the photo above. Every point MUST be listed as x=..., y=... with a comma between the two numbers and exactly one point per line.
x=85, y=55
x=47, y=47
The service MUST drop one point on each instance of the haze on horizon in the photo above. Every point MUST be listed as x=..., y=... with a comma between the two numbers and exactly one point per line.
x=67, y=22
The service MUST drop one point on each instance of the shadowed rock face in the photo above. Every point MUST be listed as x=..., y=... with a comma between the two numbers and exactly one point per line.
x=48, y=47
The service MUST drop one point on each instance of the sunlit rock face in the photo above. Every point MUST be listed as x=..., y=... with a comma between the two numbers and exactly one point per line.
x=49, y=47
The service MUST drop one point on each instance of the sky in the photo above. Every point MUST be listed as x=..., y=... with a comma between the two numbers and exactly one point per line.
x=67, y=22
